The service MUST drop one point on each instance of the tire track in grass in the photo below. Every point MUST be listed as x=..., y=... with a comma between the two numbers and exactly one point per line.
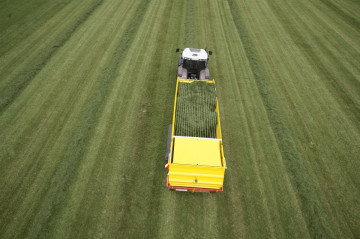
x=67, y=169
x=14, y=87
x=317, y=220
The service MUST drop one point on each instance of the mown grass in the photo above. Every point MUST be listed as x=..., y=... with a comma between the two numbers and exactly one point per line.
x=189, y=40
x=25, y=19
x=83, y=144
x=21, y=79
x=66, y=171
x=328, y=73
x=336, y=85
x=195, y=110
x=317, y=220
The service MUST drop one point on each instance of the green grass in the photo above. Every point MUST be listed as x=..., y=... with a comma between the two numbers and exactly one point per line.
x=19, y=81
x=317, y=221
x=87, y=90
x=195, y=110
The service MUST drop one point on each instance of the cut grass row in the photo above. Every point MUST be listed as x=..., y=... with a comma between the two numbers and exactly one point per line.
x=306, y=97
x=83, y=89
x=317, y=221
x=252, y=146
x=84, y=141
x=21, y=79
x=195, y=110
x=66, y=172
x=17, y=23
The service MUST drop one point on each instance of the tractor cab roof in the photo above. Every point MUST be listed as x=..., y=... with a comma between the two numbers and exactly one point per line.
x=195, y=54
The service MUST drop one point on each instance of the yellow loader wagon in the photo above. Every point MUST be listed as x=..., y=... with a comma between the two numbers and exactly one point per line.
x=195, y=157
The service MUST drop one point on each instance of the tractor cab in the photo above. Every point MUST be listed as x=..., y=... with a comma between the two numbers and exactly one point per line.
x=193, y=64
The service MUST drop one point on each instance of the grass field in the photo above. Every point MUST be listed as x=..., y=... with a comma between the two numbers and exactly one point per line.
x=86, y=97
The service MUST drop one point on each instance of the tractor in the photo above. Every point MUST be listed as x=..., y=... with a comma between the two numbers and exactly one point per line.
x=193, y=64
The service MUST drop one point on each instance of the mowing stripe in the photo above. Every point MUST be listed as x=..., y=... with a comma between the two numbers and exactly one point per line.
x=355, y=23
x=145, y=139
x=114, y=184
x=169, y=201
x=39, y=12
x=80, y=83
x=31, y=159
x=67, y=169
x=334, y=85
x=189, y=24
x=107, y=155
x=17, y=83
x=242, y=146
x=189, y=206
x=317, y=220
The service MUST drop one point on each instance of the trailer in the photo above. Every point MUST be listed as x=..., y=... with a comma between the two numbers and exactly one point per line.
x=195, y=156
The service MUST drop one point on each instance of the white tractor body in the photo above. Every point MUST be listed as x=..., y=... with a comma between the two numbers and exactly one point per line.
x=193, y=64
